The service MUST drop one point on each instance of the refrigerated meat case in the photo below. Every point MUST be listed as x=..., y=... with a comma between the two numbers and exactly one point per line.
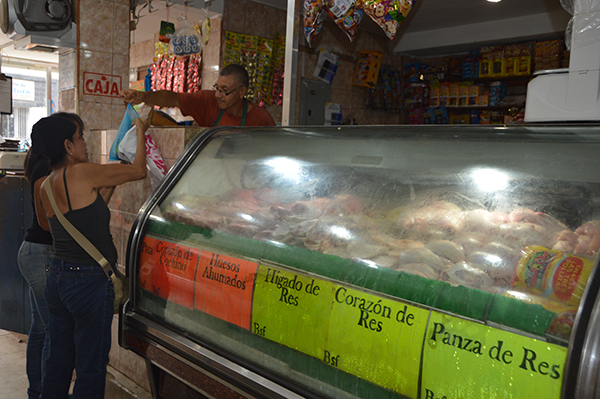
x=372, y=262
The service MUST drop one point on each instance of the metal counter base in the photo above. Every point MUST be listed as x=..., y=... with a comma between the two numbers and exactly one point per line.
x=198, y=368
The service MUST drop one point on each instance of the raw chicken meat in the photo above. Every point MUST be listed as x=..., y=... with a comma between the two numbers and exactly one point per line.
x=495, y=266
x=447, y=250
x=423, y=255
x=419, y=269
x=463, y=274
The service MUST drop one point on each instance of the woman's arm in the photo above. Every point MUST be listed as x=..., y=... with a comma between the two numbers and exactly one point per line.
x=97, y=176
x=39, y=211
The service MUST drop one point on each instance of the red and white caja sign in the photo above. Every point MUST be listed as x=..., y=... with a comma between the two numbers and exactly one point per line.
x=101, y=84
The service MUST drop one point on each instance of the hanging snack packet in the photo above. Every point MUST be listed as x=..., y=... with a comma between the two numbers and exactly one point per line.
x=388, y=14
x=313, y=19
x=186, y=40
x=345, y=15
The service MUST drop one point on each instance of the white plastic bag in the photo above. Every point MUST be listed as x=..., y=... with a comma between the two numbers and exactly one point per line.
x=154, y=162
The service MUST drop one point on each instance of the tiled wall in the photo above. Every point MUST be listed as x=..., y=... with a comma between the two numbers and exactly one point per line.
x=124, y=206
x=103, y=47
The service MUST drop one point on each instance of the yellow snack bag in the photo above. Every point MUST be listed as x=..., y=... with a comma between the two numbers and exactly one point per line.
x=555, y=275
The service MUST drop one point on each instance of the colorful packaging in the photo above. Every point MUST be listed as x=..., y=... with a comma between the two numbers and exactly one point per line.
x=345, y=15
x=264, y=76
x=232, y=51
x=523, y=65
x=498, y=66
x=556, y=275
x=367, y=68
x=485, y=68
x=313, y=19
x=388, y=14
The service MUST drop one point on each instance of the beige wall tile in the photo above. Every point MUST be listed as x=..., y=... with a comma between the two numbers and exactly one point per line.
x=120, y=67
x=120, y=27
x=94, y=114
x=96, y=31
x=93, y=140
x=173, y=143
x=256, y=21
x=275, y=22
x=94, y=62
x=117, y=114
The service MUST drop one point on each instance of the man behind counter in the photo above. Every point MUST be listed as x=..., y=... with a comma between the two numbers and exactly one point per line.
x=225, y=105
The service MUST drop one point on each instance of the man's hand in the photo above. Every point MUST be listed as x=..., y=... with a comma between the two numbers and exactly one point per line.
x=132, y=96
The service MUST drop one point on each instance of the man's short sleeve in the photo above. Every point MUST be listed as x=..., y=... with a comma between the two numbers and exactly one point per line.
x=201, y=105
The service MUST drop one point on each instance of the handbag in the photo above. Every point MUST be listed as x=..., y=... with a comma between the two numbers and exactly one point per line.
x=118, y=279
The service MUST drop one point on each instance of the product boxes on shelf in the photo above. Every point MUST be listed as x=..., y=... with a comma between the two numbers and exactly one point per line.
x=367, y=68
x=523, y=66
x=485, y=68
x=497, y=68
x=510, y=67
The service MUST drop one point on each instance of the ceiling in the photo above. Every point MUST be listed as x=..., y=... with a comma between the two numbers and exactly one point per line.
x=433, y=26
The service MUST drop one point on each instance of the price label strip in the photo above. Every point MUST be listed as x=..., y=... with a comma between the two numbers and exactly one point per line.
x=377, y=339
x=224, y=287
x=167, y=270
x=464, y=359
x=292, y=309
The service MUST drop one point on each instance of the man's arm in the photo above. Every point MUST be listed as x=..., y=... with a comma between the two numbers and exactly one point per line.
x=162, y=98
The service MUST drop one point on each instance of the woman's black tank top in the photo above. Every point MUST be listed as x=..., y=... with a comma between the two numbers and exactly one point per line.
x=93, y=221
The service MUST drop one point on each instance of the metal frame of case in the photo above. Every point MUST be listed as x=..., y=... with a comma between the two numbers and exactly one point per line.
x=581, y=368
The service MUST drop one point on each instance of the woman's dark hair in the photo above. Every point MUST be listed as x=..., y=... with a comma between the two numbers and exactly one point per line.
x=70, y=116
x=49, y=133
x=30, y=161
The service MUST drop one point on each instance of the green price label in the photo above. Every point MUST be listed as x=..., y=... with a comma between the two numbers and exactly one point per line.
x=464, y=359
x=377, y=339
x=291, y=309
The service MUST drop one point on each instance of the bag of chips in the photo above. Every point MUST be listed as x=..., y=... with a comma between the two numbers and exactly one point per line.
x=313, y=19
x=346, y=15
x=388, y=14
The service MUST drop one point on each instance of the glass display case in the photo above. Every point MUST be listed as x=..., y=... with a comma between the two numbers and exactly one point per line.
x=360, y=262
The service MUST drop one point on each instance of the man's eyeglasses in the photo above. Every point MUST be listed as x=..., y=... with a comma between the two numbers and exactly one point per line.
x=223, y=92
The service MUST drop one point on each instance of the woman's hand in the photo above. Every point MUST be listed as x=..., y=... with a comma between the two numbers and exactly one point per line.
x=141, y=126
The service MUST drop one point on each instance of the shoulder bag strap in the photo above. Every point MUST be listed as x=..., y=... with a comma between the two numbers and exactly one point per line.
x=76, y=234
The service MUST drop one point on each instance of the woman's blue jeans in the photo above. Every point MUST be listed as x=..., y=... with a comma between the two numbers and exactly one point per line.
x=33, y=260
x=80, y=299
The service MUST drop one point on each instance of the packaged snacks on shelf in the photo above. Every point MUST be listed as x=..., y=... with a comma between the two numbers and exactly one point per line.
x=497, y=67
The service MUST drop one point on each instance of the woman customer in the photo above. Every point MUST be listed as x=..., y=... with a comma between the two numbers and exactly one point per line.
x=80, y=296
x=34, y=258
